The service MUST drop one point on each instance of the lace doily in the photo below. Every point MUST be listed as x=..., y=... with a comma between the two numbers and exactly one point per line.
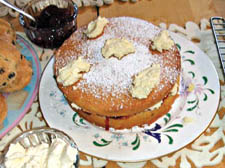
x=205, y=151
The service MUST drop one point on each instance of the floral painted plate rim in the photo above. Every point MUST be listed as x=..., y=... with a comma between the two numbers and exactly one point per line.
x=15, y=115
x=189, y=117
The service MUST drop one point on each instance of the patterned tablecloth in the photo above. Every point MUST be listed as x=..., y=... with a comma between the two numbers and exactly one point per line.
x=207, y=150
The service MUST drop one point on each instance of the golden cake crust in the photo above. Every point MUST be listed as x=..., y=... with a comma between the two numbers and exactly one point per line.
x=104, y=90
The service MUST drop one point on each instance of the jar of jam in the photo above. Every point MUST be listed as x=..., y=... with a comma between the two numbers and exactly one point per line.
x=55, y=21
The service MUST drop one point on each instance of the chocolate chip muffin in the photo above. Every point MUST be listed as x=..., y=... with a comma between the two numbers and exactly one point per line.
x=22, y=77
x=15, y=70
x=9, y=60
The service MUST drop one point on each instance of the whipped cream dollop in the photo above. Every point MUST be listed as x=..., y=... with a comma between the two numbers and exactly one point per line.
x=117, y=47
x=73, y=71
x=96, y=27
x=162, y=41
x=58, y=155
x=145, y=81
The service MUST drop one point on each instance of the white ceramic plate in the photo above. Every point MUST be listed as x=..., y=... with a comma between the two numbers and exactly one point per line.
x=189, y=117
x=20, y=102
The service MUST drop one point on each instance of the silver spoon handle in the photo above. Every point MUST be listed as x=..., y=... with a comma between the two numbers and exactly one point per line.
x=5, y=2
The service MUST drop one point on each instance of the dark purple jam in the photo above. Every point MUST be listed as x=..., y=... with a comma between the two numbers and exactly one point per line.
x=52, y=27
x=51, y=17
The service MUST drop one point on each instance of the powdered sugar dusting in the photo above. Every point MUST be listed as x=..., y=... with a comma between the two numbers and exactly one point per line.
x=115, y=76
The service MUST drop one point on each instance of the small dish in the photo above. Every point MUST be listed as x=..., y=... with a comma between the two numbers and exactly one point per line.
x=36, y=137
x=56, y=20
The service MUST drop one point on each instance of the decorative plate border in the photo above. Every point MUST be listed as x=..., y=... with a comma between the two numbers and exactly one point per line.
x=183, y=124
x=14, y=116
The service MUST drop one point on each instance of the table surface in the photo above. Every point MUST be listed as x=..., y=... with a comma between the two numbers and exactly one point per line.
x=86, y=15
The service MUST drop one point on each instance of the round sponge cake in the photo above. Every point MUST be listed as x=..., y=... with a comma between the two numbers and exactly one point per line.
x=105, y=89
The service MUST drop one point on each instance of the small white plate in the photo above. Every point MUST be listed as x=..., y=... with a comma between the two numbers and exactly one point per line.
x=190, y=116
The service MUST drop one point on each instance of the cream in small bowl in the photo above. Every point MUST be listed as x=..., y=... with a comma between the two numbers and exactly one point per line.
x=41, y=148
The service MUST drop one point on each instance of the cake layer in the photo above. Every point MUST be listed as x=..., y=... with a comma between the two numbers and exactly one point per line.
x=126, y=122
x=105, y=89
